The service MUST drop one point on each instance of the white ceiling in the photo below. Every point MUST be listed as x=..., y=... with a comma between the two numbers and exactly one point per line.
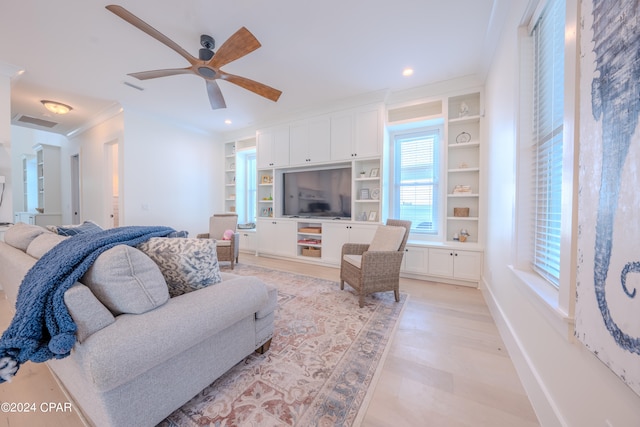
x=317, y=53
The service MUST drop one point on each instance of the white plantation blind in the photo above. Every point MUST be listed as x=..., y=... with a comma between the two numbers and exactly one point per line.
x=548, y=35
x=416, y=179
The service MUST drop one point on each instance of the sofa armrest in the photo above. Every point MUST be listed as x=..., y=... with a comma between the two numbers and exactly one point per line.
x=202, y=236
x=135, y=343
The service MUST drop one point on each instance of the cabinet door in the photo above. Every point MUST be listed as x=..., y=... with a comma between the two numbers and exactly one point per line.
x=467, y=265
x=248, y=241
x=280, y=154
x=441, y=262
x=367, y=134
x=333, y=237
x=319, y=142
x=416, y=260
x=299, y=144
x=267, y=236
x=264, y=145
x=342, y=137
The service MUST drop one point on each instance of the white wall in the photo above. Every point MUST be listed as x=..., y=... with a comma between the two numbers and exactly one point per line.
x=6, y=209
x=168, y=175
x=566, y=383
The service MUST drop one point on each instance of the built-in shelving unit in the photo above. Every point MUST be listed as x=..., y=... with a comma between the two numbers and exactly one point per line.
x=265, y=193
x=230, y=171
x=463, y=167
x=309, y=239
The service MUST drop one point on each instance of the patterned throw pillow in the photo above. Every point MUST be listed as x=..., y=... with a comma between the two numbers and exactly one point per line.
x=187, y=264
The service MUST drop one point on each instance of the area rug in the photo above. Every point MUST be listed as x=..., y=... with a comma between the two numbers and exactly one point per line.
x=323, y=359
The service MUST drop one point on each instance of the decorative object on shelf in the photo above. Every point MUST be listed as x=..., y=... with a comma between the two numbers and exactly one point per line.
x=463, y=165
x=232, y=166
x=463, y=137
x=456, y=237
x=267, y=179
x=374, y=172
x=464, y=110
x=461, y=212
x=232, y=208
x=363, y=216
x=459, y=189
x=373, y=215
x=464, y=234
x=364, y=194
x=40, y=210
x=375, y=194
x=362, y=174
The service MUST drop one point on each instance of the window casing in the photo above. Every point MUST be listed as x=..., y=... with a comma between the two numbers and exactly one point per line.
x=416, y=179
x=547, y=144
x=556, y=299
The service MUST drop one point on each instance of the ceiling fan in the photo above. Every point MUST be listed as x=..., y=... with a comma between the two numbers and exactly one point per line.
x=208, y=64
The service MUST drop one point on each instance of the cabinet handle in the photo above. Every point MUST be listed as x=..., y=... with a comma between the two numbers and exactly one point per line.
x=451, y=253
x=456, y=254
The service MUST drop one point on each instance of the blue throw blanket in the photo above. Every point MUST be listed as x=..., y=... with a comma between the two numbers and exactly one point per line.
x=42, y=327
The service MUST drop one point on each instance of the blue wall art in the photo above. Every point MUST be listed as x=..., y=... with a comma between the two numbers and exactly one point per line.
x=608, y=277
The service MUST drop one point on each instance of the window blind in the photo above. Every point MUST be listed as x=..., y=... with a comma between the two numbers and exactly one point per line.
x=416, y=170
x=548, y=35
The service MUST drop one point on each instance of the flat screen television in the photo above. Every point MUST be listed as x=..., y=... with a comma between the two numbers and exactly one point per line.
x=321, y=193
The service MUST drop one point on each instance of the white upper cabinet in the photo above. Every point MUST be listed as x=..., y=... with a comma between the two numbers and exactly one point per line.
x=273, y=147
x=356, y=133
x=309, y=141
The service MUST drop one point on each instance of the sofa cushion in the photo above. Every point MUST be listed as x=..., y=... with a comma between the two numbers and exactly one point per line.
x=387, y=238
x=41, y=244
x=20, y=235
x=187, y=264
x=125, y=280
x=72, y=230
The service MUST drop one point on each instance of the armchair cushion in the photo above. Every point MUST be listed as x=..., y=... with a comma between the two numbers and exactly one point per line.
x=387, y=238
x=186, y=264
x=355, y=260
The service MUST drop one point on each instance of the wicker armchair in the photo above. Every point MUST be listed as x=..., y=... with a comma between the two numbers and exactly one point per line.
x=227, y=250
x=371, y=270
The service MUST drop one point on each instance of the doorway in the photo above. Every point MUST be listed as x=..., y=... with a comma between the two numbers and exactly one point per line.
x=75, y=189
x=112, y=183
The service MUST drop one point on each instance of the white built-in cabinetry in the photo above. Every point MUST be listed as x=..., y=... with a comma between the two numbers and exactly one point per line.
x=463, y=166
x=47, y=187
x=309, y=141
x=445, y=262
x=353, y=131
x=273, y=147
x=277, y=237
x=230, y=177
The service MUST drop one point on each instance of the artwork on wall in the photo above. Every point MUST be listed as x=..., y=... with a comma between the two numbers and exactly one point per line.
x=608, y=276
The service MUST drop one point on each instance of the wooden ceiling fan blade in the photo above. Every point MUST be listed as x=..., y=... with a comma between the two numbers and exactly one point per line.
x=154, y=74
x=238, y=45
x=252, y=85
x=215, y=95
x=143, y=26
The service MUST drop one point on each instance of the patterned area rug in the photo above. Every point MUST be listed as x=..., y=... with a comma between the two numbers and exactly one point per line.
x=323, y=357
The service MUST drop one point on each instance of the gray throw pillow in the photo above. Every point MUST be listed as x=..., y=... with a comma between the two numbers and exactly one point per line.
x=187, y=264
x=125, y=280
x=20, y=235
x=43, y=243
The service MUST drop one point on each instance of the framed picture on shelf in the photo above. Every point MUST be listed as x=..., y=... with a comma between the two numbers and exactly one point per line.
x=374, y=172
x=373, y=215
x=364, y=194
x=266, y=179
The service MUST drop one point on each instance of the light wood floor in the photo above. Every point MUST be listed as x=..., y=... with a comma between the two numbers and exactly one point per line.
x=447, y=365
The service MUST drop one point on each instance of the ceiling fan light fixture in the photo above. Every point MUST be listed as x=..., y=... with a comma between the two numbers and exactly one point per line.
x=56, y=107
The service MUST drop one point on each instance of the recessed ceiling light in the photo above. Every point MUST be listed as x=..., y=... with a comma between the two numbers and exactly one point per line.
x=227, y=122
x=407, y=72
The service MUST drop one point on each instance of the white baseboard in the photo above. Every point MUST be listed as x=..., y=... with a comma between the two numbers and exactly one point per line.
x=543, y=404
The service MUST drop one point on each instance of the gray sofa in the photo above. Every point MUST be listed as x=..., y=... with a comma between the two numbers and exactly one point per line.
x=135, y=369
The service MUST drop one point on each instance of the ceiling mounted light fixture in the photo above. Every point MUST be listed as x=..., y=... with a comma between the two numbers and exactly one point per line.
x=407, y=72
x=56, y=107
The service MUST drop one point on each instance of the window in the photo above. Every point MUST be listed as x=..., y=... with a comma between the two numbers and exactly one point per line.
x=246, y=186
x=548, y=116
x=416, y=179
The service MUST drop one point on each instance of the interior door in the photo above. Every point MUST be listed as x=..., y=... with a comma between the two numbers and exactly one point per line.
x=75, y=189
x=112, y=184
